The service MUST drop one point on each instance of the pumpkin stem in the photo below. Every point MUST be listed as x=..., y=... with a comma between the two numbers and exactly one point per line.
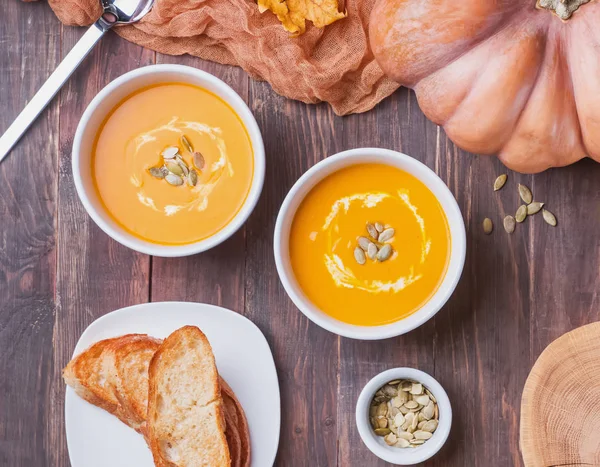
x=561, y=8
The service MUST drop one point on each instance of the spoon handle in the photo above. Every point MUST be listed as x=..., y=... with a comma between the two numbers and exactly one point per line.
x=49, y=89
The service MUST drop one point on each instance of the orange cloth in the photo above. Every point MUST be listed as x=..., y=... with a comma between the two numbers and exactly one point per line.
x=334, y=64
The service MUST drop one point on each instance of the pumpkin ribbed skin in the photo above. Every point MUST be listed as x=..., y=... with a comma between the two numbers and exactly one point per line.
x=501, y=77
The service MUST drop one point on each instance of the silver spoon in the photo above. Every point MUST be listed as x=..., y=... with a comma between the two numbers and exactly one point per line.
x=115, y=12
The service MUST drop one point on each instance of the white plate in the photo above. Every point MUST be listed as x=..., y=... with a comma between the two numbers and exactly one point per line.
x=97, y=439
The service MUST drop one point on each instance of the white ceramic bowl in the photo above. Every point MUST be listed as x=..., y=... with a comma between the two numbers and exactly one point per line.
x=360, y=156
x=376, y=444
x=106, y=101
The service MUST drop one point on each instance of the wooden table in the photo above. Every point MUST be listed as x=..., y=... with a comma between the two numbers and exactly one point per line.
x=59, y=272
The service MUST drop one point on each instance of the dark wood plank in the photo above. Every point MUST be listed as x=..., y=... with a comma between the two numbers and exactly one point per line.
x=565, y=261
x=296, y=137
x=29, y=51
x=95, y=274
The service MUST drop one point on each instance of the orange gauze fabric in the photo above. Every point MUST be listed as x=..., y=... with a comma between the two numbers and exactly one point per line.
x=334, y=64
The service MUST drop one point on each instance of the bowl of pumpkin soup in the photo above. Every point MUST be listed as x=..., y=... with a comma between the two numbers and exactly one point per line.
x=369, y=243
x=168, y=160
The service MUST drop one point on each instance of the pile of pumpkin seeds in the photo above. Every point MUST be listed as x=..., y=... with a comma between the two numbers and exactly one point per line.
x=529, y=208
x=174, y=169
x=405, y=413
x=375, y=246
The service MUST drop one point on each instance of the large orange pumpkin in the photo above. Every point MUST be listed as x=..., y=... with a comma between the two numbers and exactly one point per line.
x=502, y=76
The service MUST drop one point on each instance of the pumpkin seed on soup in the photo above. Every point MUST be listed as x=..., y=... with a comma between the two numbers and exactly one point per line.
x=364, y=243
x=174, y=168
x=192, y=178
x=156, y=172
x=199, y=161
x=187, y=144
x=183, y=166
x=170, y=152
x=359, y=256
x=372, y=251
x=174, y=180
x=384, y=253
x=372, y=231
x=386, y=235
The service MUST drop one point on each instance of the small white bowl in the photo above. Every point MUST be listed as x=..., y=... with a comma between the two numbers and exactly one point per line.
x=106, y=101
x=325, y=168
x=376, y=444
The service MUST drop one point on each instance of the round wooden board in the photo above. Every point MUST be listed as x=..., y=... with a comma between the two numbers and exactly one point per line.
x=560, y=408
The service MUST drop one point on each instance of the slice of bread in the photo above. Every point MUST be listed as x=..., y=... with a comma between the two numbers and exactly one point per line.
x=95, y=375
x=86, y=376
x=125, y=365
x=237, y=432
x=186, y=421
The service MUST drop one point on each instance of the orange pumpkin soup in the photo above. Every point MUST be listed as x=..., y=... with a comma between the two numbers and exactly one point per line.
x=371, y=276
x=173, y=164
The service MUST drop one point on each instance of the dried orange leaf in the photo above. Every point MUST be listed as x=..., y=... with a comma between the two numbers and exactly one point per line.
x=294, y=13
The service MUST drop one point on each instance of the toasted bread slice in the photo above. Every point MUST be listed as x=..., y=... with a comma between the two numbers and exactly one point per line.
x=125, y=365
x=237, y=433
x=85, y=375
x=186, y=421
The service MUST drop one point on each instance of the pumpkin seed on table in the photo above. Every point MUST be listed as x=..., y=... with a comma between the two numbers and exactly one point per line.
x=549, y=217
x=521, y=213
x=379, y=227
x=509, y=224
x=525, y=194
x=500, y=181
x=488, y=226
x=534, y=208
x=187, y=144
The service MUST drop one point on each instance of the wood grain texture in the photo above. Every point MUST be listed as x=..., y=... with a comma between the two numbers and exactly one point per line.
x=59, y=272
x=28, y=184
